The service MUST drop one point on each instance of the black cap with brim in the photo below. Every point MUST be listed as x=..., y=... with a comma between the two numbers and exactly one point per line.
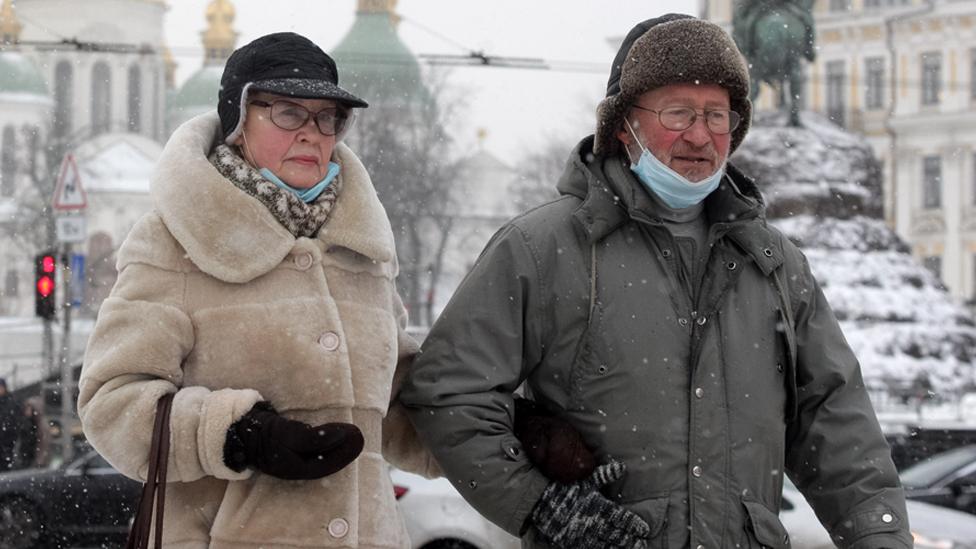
x=283, y=63
x=305, y=88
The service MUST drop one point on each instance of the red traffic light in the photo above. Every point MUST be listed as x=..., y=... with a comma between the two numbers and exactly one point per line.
x=45, y=265
x=45, y=286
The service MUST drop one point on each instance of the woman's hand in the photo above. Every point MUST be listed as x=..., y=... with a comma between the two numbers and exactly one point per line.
x=290, y=449
x=552, y=443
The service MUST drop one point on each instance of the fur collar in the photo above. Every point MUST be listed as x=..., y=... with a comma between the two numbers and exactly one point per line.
x=231, y=235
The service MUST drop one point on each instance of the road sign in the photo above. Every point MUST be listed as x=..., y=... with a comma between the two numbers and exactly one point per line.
x=69, y=194
x=71, y=228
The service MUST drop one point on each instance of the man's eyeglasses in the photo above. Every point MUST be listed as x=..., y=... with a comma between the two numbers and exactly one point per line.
x=289, y=115
x=720, y=121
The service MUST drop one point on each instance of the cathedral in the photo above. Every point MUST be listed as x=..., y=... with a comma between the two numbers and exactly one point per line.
x=103, y=92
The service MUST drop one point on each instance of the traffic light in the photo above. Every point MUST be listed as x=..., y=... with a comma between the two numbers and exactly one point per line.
x=44, y=285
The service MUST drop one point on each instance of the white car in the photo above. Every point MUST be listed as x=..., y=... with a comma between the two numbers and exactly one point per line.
x=437, y=517
x=933, y=527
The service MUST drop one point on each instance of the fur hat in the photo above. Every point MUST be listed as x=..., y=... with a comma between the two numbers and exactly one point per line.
x=671, y=49
x=284, y=63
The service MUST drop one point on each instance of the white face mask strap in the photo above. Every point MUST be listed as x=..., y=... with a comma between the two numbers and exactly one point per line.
x=636, y=139
x=248, y=157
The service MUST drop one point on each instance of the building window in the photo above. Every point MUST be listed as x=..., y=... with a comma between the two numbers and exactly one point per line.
x=33, y=135
x=8, y=161
x=973, y=188
x=11, y=283
x=101, y=106
x=874, y=95
x=835, y=92
x=934, y=264
x=62, y=98
x=972, y=74
x=932, y=182
x=840, y=5
x=135, y=99
x=974, y=278
x=931, y=78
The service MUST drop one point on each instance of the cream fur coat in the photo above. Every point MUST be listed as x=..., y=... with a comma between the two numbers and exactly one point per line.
x=220, y=304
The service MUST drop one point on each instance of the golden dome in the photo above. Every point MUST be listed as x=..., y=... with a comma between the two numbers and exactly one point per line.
x=376, y=6
x=10, y=27
x=220, y=37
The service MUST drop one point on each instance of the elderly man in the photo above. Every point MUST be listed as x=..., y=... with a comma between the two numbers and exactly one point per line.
x=653, y=309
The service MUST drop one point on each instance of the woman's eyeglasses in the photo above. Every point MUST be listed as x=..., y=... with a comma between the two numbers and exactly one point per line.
x=289, y=115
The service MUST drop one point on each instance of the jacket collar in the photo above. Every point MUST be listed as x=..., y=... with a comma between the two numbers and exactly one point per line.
x=736, y=207
x=232, y=236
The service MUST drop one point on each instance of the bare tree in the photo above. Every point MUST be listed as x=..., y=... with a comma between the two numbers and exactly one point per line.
x=32, y=166
x=405, y=146
x=539, y=171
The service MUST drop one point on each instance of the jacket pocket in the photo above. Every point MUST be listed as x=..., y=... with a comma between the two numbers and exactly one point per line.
x=654, y=511
x=764, y=527
x=588, y=365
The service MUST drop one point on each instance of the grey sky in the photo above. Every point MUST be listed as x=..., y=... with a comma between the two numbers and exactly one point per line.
x=517, y=107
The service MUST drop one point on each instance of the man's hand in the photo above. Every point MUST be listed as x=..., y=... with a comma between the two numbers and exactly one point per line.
x=577, y=515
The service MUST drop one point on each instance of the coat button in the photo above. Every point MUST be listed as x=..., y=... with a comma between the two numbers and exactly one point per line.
x=338, y=528
x=702, y=320
x=886, y=518
x=303, y=261
x=699, y=392
x=683, y=321
x=666, y=252
x=329, y=341
x=696, y=470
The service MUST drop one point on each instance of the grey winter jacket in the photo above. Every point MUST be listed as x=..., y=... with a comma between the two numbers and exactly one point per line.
x=707, y=401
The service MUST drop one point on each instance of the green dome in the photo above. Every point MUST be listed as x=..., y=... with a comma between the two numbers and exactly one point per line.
x=376, y=65
x=19, y=75
x=199, y=91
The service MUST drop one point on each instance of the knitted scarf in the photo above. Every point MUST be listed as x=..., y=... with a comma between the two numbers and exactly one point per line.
x=299, y=218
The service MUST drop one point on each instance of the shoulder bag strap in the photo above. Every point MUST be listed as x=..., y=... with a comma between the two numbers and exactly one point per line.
x=155, y=482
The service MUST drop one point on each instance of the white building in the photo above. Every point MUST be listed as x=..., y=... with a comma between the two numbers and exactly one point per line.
x=903, y=73
x=102, y=84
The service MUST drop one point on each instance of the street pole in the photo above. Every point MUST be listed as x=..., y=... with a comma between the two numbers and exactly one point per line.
x=67, y=377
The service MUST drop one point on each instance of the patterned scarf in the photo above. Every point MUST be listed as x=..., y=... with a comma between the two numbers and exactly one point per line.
x=299, y=218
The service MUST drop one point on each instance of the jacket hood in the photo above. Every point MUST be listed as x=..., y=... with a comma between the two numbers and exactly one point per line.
x=231, y=235
x=603, y=209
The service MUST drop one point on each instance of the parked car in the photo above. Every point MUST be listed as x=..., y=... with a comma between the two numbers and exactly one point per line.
x=947, y=479
x=87, y=502
x=437, y=517
x=933, y=527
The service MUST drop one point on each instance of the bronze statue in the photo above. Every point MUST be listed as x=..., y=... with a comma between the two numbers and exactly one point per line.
x=775, y=36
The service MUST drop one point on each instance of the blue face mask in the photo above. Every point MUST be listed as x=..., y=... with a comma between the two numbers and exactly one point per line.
x=676, y=191
x=306, y=195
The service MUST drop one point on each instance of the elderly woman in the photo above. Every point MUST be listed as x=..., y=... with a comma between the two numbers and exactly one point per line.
x=260, y=290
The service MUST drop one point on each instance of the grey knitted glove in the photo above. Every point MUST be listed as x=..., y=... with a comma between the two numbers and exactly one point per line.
x=577, y=515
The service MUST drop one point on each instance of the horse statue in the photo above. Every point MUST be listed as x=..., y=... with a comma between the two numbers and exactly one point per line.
x=775, y=36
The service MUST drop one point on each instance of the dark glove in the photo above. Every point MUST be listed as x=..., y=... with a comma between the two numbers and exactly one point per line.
x=578, y=516
x=290, y=449
x=552, y=443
